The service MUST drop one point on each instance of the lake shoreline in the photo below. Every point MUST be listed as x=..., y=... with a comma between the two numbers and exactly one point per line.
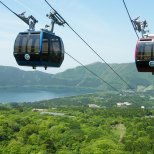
x=34, y=94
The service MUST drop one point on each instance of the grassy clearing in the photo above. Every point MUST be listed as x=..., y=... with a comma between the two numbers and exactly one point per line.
x=119, y=130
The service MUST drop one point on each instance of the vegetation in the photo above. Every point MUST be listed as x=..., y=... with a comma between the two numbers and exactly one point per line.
x=68, y=125
x=104, y=100
x=79, y=130
x=78, y=78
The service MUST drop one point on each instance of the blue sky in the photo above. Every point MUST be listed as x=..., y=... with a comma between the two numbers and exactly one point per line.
x=104, y=24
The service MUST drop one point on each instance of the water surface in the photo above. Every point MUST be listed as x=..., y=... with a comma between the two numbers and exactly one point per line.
x=16, y=95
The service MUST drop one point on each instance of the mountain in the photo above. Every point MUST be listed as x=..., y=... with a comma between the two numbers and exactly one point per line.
x=127, y=71
x=11, y=76
x=79, y=77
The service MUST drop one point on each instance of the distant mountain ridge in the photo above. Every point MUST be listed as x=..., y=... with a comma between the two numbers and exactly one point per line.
x=78, y=77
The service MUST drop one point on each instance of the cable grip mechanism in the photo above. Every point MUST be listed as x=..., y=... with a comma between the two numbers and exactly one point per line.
x=55, y=19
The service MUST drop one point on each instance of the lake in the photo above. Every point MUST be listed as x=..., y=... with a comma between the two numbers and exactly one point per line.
x=18, y=95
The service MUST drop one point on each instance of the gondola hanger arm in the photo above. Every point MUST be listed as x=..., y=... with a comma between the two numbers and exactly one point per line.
x=30, y=20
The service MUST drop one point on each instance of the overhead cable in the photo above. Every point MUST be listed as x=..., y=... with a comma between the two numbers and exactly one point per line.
x=86, y=66
x=130, y=18
x=92, y=72
x=121, y=78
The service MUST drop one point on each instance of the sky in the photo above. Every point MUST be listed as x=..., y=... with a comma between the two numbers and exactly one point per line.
x=104, y=24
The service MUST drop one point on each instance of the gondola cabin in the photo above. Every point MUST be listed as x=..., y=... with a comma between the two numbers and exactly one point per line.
x=144, y=54
x=38, y=49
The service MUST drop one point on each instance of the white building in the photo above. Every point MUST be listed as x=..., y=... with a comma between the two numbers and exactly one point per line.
x=142, y=107
x=124, y=104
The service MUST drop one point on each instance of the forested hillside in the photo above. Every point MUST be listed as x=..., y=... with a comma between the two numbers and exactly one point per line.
x=79, y=77
x=70, y=126
x=75, y=130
